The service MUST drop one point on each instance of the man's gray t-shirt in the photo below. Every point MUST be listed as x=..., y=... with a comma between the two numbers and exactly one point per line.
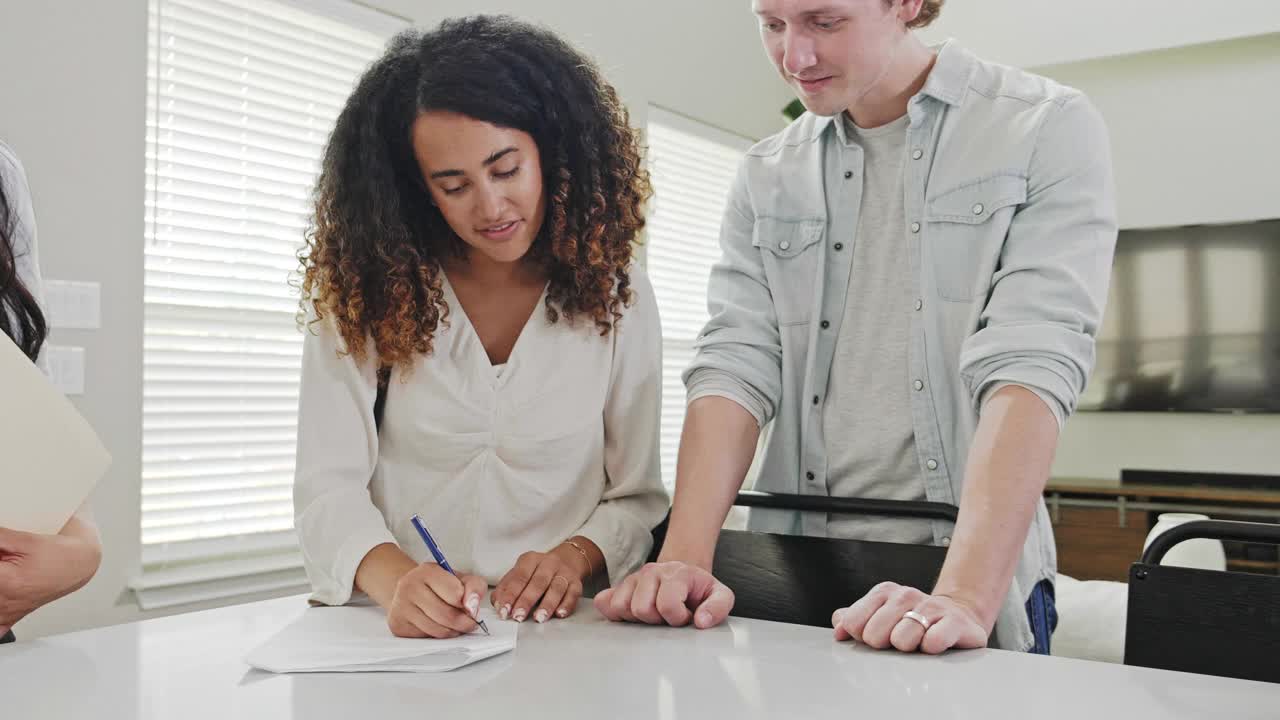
x=871, y=447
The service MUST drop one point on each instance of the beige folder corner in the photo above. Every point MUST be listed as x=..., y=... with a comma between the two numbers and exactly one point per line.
x=49, y=456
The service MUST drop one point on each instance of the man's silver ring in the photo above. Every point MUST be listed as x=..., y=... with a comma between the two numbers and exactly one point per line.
x=913, y=615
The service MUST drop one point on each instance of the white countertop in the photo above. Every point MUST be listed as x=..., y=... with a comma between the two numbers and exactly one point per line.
x=191, y=666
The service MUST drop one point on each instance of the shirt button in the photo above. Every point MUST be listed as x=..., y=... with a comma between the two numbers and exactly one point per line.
x=839, y=247
x=825, y=324
x=919, y=304
x=917, y=154
x=932, y=464
x=815, y=399
x=977, y=209
x=809, y=475
x=946, y=542
x=915, y=227
x=784, y=245
x=919, y=385
x=848, y=174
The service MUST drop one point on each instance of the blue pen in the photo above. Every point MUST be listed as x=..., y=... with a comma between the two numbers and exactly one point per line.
x=439, y=556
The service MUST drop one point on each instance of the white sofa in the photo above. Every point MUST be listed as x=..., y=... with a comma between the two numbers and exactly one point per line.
x=1091, y=619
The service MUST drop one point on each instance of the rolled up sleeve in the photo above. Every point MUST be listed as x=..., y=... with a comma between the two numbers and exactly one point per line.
x=739, y=352
x=1041, y=319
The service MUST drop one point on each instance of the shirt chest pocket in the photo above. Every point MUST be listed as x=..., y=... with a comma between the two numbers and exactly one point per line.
x=966, y=228
x=790, y=252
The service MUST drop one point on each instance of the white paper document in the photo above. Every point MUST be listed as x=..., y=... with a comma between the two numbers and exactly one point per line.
x=49, y=456
x=355, y=638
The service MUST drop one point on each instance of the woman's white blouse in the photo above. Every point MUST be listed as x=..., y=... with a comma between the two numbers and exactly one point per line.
x=563, y=441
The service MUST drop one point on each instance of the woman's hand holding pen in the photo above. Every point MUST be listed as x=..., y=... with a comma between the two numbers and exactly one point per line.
x=429, y=601
x=546, y=585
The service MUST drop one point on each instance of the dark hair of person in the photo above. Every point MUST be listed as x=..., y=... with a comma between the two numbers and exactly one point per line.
x=20, y=315
x=374, y=253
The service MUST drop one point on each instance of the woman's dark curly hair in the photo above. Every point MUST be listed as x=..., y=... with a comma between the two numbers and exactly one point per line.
x=374, y=253
x=20, y=315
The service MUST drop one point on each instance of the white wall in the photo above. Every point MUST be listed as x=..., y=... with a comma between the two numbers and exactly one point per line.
x=72, y=95
x=701, y=58
x=1196, y=140
x=1029, y=33
x=1193, y=130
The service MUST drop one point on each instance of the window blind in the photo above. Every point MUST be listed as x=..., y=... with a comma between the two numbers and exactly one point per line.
x=242, y=95
x=692, y=165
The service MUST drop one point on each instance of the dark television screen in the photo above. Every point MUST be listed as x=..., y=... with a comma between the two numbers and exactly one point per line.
x=1193, y=321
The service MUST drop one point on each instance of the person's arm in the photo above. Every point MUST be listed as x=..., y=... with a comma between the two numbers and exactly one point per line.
x=344, y=538
x=380, y=570
x=1025, y=369
x=336, y=520
x=717, y=445
x=734, y=385
x=1008, y=468
x=82, y=529
x=634, y=500
x=1028, y=364
x=37, y=569
x=84, y=545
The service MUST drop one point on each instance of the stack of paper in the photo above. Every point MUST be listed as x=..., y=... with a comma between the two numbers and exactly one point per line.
x=52, y=458
x=355, y=638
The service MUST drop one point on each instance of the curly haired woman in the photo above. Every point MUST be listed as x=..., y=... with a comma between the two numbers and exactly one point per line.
x=471, y=255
